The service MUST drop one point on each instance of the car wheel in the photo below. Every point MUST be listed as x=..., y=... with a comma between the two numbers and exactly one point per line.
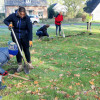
x=35, y=22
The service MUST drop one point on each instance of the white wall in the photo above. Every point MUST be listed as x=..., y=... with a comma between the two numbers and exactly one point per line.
x=2, y=8
x=96, y=13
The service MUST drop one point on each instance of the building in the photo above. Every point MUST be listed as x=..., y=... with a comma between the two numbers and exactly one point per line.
x=94, y=9
x=96, y=12
x=36, y=7
x=2, y=8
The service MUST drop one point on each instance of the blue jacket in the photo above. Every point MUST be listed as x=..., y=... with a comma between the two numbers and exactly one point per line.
x=22, y=26
x=4, y=57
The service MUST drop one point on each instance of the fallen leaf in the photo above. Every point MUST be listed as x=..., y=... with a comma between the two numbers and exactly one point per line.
x=62, y=92
x=36, y=82
x=77, y=75
x=91, y=82
x=41, y=62
x=56, y=98
x=60, y=75
x=33, y=92
x=67, y=95
x=77, y=93
x=56, y=63
x=44, y=55
x=28, y=91
x=42, y=99
x=52, y=58
x=78, y=98
x=33, y=52
x=70, y=87
x=77, y=83
x=3, y=81
x=96, y=97
x=93, y=87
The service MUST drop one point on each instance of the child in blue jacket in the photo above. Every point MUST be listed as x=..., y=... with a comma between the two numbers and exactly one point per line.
x=5, y=54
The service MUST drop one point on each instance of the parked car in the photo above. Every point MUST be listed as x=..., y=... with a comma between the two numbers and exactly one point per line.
x=34, y=18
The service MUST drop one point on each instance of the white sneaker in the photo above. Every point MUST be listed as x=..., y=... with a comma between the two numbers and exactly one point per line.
x=20, y=68
x=30, y=66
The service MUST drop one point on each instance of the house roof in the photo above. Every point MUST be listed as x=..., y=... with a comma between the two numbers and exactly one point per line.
x=25, y=3
x=90, y=10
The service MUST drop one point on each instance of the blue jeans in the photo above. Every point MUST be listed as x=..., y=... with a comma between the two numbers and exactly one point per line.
x=40, y=34
x=58, y=26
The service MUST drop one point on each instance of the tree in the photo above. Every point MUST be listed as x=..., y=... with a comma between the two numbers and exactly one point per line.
x=51, y=12
x=74, y=7
x=50, y=2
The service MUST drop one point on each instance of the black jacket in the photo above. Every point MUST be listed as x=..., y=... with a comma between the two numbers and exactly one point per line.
x=43, y=29
x=21, y=26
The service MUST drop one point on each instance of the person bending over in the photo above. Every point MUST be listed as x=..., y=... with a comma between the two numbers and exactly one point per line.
x=43, y=31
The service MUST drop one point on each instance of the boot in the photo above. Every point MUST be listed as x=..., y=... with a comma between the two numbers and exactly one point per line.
x=20, y=68
x=30, y=66
x=56, y=34
x=60, y=34
x=39, y=37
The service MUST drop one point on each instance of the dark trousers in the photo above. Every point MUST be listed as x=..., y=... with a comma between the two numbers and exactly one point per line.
x=88, y=25
x=58, y=26
x=40, y=34
x=24, y=45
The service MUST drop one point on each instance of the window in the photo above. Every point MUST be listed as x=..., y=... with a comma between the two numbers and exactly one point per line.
x=31, y=16
x=28, y=1
x=40, y=14
x=30, y=12
x=11, y=10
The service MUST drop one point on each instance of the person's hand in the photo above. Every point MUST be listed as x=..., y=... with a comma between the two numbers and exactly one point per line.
x=10, y=26
x=30, y=43
x=10, y=56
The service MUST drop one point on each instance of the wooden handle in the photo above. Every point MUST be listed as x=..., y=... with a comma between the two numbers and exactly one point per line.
x=19, y=77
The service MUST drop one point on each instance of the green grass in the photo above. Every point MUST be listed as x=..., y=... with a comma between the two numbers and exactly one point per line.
x=65, y=68
x=52, y=21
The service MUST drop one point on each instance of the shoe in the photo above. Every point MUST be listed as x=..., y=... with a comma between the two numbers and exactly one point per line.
x=40, y=37
x=20, y=68
x=60, y=35
x=30, y=66
x=56, y=35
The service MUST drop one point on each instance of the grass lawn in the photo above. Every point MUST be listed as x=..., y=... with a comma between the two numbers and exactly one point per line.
x=65, y=68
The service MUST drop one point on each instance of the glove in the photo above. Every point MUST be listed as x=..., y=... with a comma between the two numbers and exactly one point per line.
x=30, y=43
x=10, y=26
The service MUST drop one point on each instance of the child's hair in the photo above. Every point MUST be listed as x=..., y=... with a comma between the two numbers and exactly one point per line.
x=47, y=25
